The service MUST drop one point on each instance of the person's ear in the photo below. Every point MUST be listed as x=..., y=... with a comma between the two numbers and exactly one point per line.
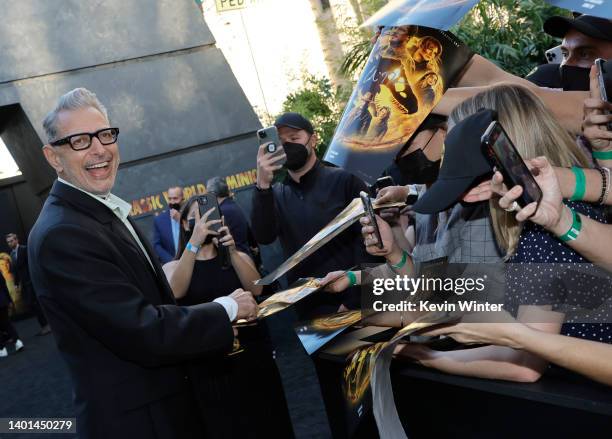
x=52, y=156
x=314, y=140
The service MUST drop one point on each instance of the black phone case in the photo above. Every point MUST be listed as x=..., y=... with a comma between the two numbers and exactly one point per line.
x=509, y=180
x=367, y=205
x=205, y=202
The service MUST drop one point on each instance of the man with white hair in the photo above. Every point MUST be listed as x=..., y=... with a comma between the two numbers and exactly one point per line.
x=113, y=314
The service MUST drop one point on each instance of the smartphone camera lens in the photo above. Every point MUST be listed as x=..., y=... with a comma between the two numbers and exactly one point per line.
x=261, y=134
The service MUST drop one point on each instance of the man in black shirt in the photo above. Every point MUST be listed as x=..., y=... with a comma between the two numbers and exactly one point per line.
x=310, y=196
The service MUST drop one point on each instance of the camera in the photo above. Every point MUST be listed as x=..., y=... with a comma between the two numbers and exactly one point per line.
x=262, y=134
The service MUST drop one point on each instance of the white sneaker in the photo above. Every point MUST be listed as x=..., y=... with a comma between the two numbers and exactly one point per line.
x=18, y=345
x=3, y=353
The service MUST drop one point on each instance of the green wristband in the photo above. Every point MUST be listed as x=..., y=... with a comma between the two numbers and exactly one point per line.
x=352, y=278
x=602, y=155
x=574, y=229
x=401, y=263
x=580, y=184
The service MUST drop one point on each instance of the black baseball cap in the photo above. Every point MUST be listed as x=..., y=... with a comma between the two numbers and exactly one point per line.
x=431, y=122
x=546, y=75
x=595, y=27
x=464, y=162
x=294, y=120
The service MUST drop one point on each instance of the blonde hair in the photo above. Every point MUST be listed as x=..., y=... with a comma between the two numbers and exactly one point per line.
x=534, y=132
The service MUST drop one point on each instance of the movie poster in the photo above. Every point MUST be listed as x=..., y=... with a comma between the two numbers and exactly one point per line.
x=405, y=76
x=315, y=334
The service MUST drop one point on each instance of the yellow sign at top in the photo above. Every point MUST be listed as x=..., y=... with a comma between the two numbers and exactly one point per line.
x=230, y=5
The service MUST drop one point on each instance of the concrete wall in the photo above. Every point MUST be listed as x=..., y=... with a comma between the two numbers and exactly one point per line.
x=183, y=117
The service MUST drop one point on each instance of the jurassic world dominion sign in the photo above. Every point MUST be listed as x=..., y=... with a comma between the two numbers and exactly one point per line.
x=155, y=203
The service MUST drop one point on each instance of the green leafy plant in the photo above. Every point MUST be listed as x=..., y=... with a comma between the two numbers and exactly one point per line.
x=321, y=103
x=507, y=32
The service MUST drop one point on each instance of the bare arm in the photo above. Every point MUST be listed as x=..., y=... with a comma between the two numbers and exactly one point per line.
x=589, y=358
x=494, y=362
x=567, y=184
x=179, y=273
x=479, y=71
x=564, y=105
x=481, y=74
x=242, y=263
x=246, y=271
x=594, y=240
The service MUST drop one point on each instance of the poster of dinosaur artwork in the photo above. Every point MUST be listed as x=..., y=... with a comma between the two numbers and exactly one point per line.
x=405, y=76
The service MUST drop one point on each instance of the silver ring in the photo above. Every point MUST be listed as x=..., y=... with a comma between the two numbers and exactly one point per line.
x=515, y=206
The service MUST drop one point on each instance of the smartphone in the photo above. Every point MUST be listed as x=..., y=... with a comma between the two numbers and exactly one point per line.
x=554, y=55
x=604, y=75
x=367, y=206
x=205, y=203
x=384, y=182
x=269, y=137
x=501, y=152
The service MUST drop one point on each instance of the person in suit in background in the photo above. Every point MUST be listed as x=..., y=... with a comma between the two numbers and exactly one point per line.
x=21, y=273
x=166, y=227
x=8, y=333
x=233, y=215
x=126, y=342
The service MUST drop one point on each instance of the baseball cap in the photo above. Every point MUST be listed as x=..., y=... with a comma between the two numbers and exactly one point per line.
x=431, y=122
x=546, y=75
x=294, y=120
x=463, y=163
x=595, y=27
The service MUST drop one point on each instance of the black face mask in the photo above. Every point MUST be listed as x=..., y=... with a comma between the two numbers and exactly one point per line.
x=297, y=155
x=575, y=78
x=416, y=168
x=175, y=206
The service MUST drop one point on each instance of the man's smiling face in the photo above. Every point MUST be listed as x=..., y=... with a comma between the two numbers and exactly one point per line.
x=93, y=169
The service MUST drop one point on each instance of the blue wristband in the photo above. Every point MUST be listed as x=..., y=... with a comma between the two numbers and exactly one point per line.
x=192, y=248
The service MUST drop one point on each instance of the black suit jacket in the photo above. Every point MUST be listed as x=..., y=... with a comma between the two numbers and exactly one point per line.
x=116, y=322
x=19, y=266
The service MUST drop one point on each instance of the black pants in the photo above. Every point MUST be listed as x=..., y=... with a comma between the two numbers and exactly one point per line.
x=7, y=330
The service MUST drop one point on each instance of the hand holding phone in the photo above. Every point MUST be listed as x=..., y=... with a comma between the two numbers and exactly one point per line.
x=205, y=203
x=502, y=153
x=369, y=210
x=271, y=156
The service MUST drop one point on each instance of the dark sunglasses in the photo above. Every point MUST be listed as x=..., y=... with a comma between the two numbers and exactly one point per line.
x=80, y=141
